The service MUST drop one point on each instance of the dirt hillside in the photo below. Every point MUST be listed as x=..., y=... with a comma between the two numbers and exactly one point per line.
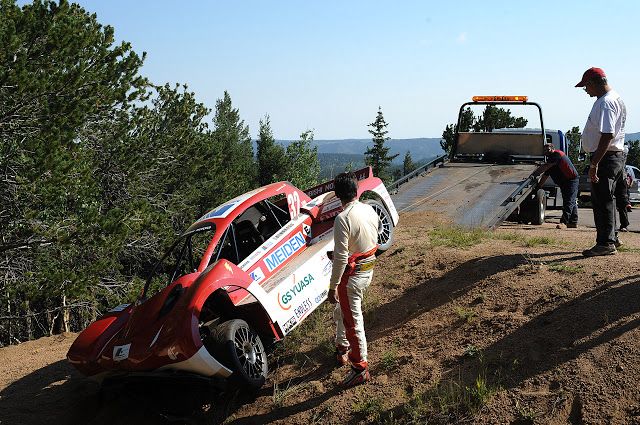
x=508, y=327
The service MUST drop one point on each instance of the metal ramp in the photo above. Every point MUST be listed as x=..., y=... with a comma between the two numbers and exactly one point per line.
x=467, y=194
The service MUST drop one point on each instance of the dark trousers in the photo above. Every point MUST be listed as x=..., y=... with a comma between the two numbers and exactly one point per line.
x=602, y=197
x=569, y=192
x=622, y=200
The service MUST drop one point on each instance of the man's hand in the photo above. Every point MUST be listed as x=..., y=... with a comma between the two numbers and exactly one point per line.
x=333, y=299
x=593, y=174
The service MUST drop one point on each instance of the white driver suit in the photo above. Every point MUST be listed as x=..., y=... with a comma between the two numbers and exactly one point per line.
x=355, y=238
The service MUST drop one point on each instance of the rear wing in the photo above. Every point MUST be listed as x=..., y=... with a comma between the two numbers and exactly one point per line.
x=327, y=186
x=324, y=205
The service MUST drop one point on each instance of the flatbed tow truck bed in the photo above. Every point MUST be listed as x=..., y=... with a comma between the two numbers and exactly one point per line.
x=492, y=173
x=468, y=194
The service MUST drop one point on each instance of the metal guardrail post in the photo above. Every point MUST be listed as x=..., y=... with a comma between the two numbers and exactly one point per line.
x=431, y=164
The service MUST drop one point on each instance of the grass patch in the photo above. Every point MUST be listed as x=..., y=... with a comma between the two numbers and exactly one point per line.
x=565, y=268
x=539, y=240
x=389, y=359
x=514, y=237
x=370, y=407
x=280, y=394
x=455, y=237
x=526, y=415
x=627, y=248
x=464, y=313
x=451, y=399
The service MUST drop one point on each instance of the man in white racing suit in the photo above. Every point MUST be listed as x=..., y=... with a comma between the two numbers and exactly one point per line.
x=355, y=237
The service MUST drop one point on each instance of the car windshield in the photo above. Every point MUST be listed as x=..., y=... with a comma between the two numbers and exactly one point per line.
x=182, y=258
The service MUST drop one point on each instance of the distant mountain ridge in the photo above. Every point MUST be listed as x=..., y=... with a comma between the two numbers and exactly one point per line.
x=420, y=148
x=629, y=137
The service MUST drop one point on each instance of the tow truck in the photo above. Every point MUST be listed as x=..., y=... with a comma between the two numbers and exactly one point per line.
x=490, y=175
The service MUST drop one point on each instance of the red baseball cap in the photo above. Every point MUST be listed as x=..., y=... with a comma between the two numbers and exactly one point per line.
x=590, y=74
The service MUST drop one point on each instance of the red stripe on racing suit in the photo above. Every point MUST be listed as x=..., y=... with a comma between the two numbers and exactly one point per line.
x=352, y=312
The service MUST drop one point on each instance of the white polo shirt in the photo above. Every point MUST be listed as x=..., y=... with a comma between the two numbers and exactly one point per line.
x=608, y=115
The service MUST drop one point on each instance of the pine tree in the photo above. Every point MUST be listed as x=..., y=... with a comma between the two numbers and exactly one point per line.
x=303, y=167
x=270, y=156
x=378, y=156
x=233, y=147
x=407, y=165
x=573, y=145
x=449, y=133
x=633, y=157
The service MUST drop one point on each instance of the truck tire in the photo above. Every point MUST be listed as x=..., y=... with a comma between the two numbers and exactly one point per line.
x=242, y=351
x=385, y=225
x=533, y=210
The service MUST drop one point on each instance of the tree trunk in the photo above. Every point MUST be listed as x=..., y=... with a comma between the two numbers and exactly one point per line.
x=65, y=314
x=27, y=310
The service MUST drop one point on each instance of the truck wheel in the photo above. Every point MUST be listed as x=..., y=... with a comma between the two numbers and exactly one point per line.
x=385, y=225
x=539, y=207
x=243, y=352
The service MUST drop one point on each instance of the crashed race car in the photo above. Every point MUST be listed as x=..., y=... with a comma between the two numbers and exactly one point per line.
x=243, y=276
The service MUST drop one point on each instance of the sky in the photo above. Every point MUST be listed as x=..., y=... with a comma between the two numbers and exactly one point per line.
x=328, y=65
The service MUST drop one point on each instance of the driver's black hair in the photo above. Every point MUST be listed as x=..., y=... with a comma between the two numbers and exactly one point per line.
x=346, y=186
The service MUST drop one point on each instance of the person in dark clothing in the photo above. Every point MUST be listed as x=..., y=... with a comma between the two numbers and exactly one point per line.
x=622, y=201
x=564, y=174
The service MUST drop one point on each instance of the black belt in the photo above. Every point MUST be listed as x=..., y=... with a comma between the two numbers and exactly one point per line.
x=609, y=153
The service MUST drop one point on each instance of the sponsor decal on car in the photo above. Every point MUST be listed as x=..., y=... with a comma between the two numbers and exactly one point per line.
x=286, y=250
x=303, y=308
x=321, y=296
x=257, y=275
x=306, y=229
x=289, y=324
x=121, y=352
x=326, y=271
x=285, y=299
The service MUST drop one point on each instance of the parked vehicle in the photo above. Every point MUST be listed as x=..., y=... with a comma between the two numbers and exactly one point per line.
x=632, y=174
x=241, y=277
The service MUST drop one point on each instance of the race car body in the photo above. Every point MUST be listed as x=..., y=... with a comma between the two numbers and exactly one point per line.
x=250, y=270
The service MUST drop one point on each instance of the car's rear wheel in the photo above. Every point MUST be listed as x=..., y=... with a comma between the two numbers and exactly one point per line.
x=243, y=352
x=385, y=225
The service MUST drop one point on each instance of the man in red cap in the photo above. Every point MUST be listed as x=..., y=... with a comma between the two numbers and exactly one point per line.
x=603, y=137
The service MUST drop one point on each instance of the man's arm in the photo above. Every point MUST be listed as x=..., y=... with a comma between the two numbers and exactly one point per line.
x=340, y=251
x=603, y=145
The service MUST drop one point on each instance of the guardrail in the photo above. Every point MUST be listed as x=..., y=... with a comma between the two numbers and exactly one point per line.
x=418, y=171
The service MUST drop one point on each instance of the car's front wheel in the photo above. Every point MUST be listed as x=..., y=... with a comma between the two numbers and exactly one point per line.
x=243, y=352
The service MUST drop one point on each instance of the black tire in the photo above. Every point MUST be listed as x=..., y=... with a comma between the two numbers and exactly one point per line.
x=533, y=209
x=243, y=352
x=539, y=207
x=385, y=225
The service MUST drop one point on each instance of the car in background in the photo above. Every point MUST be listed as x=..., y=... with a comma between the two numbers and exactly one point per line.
x=632, y=174
x=241, y=277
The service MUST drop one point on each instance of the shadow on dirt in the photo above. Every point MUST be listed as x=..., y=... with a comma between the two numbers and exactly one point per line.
x=53, y=389
x=58, y=394
x=429, y=294
x=564, y=333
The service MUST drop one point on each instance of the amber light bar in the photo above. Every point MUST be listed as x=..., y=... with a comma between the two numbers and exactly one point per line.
x=499, y=98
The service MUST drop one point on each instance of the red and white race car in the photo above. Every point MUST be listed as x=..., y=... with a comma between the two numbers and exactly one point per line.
x=249, y=271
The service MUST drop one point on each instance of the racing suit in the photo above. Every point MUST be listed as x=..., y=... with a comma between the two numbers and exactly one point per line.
x=355, y=239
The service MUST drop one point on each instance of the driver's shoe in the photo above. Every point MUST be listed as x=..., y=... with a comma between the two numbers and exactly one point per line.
x=355, y=377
